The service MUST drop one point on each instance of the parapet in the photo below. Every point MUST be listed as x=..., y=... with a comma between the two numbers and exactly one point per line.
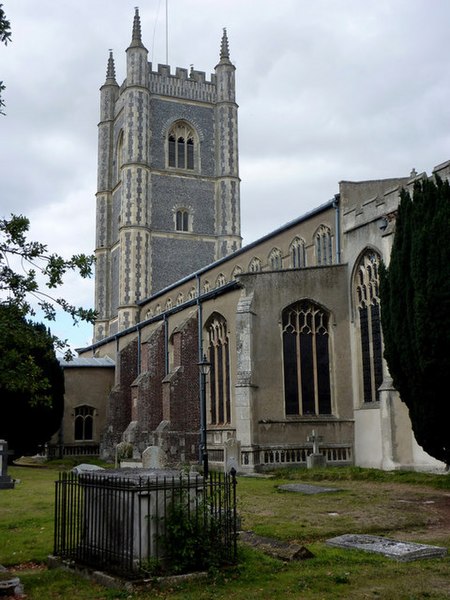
x=189, y=85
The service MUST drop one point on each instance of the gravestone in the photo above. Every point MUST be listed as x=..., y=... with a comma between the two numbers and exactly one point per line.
x=154, y=457
x=9, y=584
x=401, y=551
x=316, y=459
x=232, y=451
x=86, y=468
x=6, y=482
x=304, y=488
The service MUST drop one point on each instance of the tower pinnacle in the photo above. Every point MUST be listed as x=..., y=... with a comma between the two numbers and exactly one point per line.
x=111, y=70
x=224, y=49
x=136, y=40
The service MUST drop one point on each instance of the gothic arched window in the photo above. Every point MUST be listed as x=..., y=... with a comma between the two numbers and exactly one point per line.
x=255, y=265
x=182, y=220
x=236, y=271
x=84, y=423
x=219, y=378
x=306, y=359
x=181, y=147
x=297, y=251
x=220, y=281
x=324, y=246
x=367, y=301
x=275, y=259
x=119, y=156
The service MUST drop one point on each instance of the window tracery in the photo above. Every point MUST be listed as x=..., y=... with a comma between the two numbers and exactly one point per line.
x=275, y=259
x=220, y=281
x=236, y=271
x=255, y=265
x=181, y=147
x=324, y=246
x=84, y=423
x=219, y=380
x=297, y=251
x=306, y=359
x=367, y=301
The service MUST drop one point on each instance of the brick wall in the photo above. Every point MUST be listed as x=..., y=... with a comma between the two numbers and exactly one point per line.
x=118, y=413
x=154, y=397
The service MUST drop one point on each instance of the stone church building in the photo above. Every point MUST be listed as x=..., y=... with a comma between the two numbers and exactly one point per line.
x=290, y=323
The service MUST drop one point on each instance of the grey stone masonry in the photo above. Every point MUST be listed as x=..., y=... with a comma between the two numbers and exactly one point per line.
x=167, y=146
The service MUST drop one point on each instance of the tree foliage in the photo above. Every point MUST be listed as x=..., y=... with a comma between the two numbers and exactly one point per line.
x=5, y=37
x=415, y=303
x=23, y=264
x=31, y=383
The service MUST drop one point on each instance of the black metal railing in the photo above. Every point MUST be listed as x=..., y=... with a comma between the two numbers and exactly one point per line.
x=133, y=525
x=61, y=450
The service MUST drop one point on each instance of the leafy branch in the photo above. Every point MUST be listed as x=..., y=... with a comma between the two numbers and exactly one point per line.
x=21, y=288
x=5, y=37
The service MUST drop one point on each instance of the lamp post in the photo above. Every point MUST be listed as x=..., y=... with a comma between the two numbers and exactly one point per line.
x=204, y=367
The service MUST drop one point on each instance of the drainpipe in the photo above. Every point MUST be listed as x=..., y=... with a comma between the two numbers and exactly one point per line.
x=200, y=358
x=139, y=352
x=336, y=206
x=166, y=345
x=200, y=319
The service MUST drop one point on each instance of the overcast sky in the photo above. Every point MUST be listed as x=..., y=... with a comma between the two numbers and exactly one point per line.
x=328, y=90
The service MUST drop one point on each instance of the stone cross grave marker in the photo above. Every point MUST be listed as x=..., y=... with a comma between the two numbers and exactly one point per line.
x=315, y=439
x=316, y=459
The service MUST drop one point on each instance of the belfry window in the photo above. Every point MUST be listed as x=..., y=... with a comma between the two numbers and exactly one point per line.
x=367, y=300
x=181, y=147
x=182, y=220
x=306, y=358
x=84, y=423
x=219, y=357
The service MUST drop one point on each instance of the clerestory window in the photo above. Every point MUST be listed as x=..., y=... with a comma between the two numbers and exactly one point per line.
x=181, y=147
x=275, y=259
x=255, y=265
x=324, y=246
x=297, y=251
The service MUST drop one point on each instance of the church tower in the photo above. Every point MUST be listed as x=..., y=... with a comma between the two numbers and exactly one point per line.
x=168, y=200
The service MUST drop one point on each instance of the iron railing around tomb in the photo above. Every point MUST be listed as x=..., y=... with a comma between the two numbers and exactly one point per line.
x=124, y=524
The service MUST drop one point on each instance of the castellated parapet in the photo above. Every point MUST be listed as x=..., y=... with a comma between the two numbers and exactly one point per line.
x=191, y=85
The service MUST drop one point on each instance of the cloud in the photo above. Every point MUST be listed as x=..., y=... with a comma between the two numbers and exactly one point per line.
x=328, y=90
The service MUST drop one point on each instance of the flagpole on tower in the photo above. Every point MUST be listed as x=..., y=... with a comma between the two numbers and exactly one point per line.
x=167, y=32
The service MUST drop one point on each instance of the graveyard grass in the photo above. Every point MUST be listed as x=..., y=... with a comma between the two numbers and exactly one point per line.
x=402, y=505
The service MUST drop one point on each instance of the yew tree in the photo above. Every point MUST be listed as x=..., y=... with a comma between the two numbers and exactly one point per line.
x=415, y=312
x=31, y=383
